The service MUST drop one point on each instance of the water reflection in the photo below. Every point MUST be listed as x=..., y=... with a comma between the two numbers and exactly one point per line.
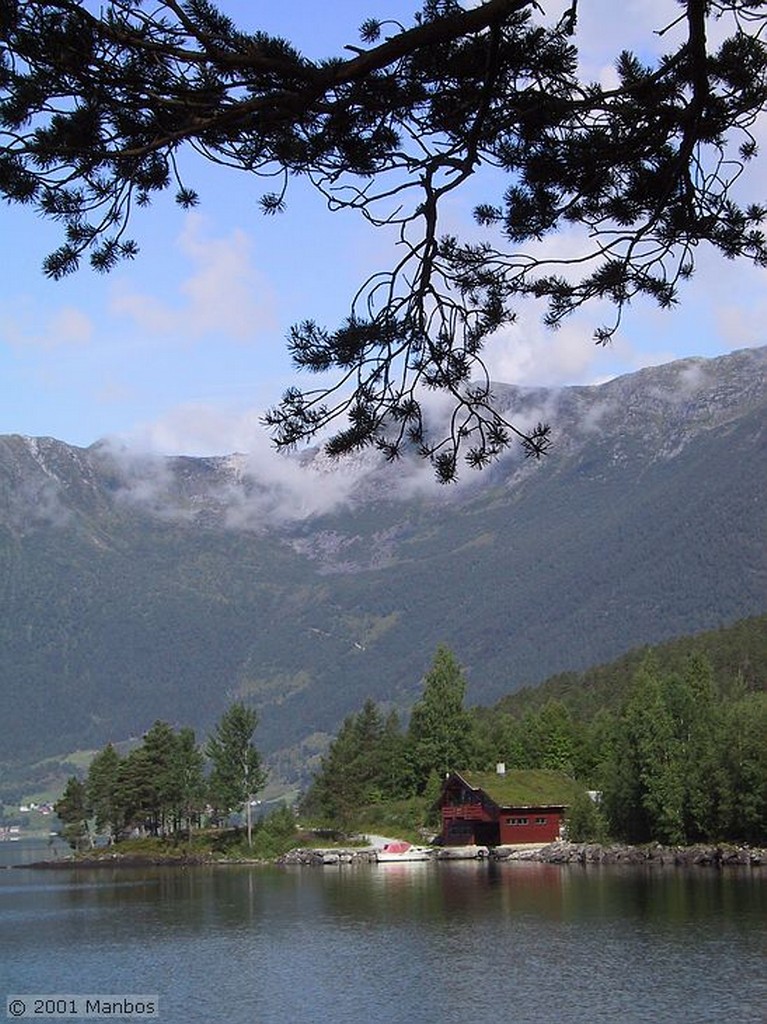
x=389, y=942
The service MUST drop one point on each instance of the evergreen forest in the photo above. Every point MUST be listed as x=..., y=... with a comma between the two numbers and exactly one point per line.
x=679, y=757
x=671, y=751
x=169, y=787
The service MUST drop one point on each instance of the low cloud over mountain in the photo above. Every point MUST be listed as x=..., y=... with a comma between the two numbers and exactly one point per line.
x=136, y=587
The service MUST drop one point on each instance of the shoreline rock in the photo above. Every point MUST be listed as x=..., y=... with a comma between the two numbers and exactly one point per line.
x=718, y=856
x=118, y=860
x=318, y=857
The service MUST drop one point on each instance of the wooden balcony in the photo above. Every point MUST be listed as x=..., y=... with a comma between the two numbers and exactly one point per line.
x=465, y=812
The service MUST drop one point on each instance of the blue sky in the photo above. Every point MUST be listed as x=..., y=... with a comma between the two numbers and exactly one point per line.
x=182, y=350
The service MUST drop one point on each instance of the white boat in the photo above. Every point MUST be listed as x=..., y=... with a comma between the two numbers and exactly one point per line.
x=396, y=853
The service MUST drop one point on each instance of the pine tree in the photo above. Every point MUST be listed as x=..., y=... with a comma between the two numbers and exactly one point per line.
x=440, y=735
x=72, y=810
x=394, y=776
x=136, y=794
x=101, y=790
x=237, y=772
x=160, y=753
x=188, y=779
x=357, y=769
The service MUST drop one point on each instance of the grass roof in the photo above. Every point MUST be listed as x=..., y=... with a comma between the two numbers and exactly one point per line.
x=525, y=787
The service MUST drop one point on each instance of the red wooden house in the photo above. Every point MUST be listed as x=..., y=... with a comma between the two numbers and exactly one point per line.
x=504, y=808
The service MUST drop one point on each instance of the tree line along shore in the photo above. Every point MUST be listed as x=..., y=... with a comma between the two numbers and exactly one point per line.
x=679, y=763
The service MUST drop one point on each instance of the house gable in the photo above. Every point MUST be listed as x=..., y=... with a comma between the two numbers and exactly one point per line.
x=492, y=809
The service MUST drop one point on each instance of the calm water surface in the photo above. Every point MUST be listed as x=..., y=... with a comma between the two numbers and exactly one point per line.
x=394, y=943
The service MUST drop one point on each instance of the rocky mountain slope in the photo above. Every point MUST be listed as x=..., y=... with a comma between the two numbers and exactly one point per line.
x=133, y=587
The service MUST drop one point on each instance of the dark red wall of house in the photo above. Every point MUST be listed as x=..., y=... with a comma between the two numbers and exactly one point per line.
x=468, y=824
x=471, y=824
x=541, y=827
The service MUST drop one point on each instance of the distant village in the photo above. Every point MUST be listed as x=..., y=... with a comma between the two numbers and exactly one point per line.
x=39, y=808
x=12, y=833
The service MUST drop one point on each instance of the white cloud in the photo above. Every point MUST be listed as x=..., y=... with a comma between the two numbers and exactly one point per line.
x=690, y=380
x=225, y=294
x=31, y=328
x=271, y=486
x=71, y=326
x=199, y=429
x=742, y=326
x=528, y=354
x=737, y=294
x=267, y=486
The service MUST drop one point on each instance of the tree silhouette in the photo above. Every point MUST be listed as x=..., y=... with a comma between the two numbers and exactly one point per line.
x=98, y=107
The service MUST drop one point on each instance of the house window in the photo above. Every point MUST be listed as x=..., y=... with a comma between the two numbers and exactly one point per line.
x=541, y=821
x=517, y=821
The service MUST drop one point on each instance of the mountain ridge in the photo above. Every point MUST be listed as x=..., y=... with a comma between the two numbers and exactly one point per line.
x=138, y=587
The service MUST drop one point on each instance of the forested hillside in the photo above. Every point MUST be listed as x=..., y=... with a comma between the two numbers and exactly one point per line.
x=673, y=737
x=134, y=588
x=736, y=653
x=674, y=752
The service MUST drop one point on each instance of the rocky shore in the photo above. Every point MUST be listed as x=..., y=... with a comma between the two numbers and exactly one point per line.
x=317, y=858
x=677, y=856
x=557, y=853
x=118, y=860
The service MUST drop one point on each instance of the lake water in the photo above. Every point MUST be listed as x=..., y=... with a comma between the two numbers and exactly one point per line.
x=394, y=943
